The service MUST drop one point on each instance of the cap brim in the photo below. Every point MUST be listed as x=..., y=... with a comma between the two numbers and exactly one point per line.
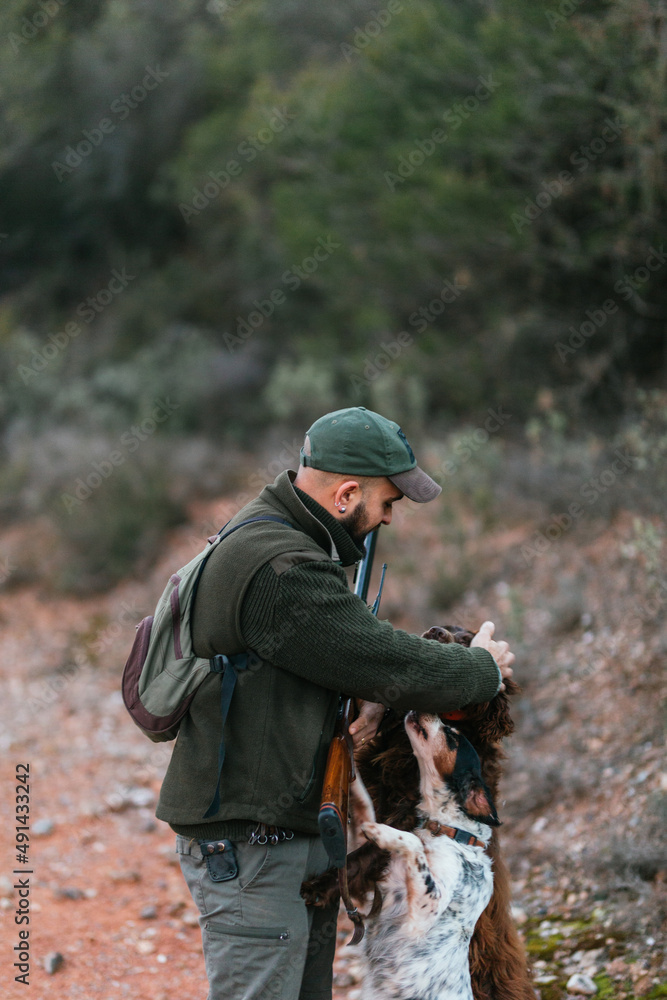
x=416, y=485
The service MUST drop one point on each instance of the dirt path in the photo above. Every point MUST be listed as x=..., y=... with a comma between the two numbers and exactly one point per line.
x=582, y=797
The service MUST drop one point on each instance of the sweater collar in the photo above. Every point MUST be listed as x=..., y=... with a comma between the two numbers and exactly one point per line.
x=314, y=519
x=347, y=549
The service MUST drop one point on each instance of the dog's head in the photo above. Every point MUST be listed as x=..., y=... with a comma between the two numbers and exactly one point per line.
x=450, y=772
x=491, y=720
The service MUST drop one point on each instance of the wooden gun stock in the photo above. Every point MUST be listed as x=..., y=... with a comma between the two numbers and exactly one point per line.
x=333, y=814
x=332, y=819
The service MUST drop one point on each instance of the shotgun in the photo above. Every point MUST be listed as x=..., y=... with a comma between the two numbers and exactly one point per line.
x=340, y=770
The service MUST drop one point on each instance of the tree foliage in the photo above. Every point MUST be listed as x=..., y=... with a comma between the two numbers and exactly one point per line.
x=424, y=207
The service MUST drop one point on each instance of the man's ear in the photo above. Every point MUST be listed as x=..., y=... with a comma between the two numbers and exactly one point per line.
x=346, y=492
x=478, y=804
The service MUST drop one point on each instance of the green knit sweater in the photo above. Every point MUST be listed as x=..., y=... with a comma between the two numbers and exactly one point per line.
x=314, y=639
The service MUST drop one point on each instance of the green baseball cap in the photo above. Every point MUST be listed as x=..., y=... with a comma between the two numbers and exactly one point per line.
x=358, y=442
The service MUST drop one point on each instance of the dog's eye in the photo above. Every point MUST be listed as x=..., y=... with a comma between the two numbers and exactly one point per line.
x=452, y=738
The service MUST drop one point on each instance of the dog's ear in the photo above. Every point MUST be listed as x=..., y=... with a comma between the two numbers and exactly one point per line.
x=479, y=805
x=460, y=634
x=438, y=633
x=495, y=722
x=449, y=633
x=467, y=783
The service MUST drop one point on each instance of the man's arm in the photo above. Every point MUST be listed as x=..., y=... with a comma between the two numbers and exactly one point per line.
x=366, y=725
x=306, y=620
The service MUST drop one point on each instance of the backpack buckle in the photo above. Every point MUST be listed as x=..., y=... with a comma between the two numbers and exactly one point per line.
x=218, y=663
x=221, y=661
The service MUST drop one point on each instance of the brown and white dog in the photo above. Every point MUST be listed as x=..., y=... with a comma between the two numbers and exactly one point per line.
x=439, y=878
x=390, y=772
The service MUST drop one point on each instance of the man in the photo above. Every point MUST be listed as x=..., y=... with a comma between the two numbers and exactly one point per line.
x=279, y=589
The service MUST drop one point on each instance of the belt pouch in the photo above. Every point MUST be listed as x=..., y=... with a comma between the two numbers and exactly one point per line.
x=221, y=860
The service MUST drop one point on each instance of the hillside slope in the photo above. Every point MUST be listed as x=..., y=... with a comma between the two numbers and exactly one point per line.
x=583, y=802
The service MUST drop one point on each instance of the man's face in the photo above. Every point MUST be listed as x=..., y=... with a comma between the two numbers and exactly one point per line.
x=372, y=509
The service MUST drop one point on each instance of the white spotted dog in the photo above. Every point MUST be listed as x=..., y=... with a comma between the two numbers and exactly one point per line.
x=439, y=878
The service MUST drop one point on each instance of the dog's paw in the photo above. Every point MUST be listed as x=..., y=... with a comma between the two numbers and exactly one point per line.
x=371, y=831
x=389, y=839
x=321, y=890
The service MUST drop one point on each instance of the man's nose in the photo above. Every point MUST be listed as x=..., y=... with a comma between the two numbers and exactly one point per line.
x=387, y=517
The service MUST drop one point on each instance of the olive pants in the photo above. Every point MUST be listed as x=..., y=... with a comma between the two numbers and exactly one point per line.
x=261, y=942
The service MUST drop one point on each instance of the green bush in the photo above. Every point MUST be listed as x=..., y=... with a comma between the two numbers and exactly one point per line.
x=115, y=530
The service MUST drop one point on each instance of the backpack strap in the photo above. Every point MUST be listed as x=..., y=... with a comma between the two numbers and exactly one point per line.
x=229, y=667
x=266, y=517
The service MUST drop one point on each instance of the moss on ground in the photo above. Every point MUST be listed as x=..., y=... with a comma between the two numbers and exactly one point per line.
x=584, y=935
x=544, y=948
x=607, y=989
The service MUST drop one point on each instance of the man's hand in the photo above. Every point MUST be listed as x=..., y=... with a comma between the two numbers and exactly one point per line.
x=500, y=651
x=365, y=726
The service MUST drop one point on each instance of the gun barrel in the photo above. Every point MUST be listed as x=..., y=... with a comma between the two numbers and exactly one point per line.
x=362, y=578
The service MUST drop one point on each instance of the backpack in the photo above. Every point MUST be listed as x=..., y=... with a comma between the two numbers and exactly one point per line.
x=163, y=673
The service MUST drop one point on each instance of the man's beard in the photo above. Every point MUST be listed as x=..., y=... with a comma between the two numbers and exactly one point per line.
x=356, y=524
